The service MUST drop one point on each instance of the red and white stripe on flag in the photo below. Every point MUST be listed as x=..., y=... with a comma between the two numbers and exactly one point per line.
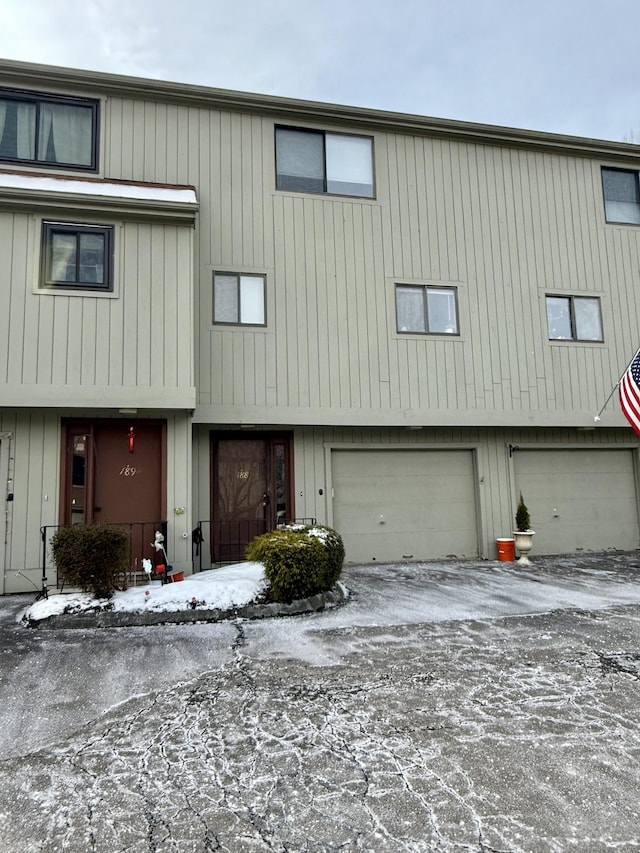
x=629, y=393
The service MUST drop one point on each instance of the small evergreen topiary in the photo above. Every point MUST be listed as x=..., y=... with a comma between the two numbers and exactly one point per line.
x=523, y=522
x=298, y=560
x=92, y=556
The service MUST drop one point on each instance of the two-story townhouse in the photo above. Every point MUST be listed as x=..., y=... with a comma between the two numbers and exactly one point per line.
x=219, y=310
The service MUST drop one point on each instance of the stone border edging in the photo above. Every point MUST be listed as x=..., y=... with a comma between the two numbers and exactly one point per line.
x=110, y=619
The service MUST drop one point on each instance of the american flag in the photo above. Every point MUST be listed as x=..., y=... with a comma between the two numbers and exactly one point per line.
x=629, y=393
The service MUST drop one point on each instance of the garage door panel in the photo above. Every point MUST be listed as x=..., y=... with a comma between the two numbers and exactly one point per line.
x=579, y=500
x=392, y=547
x=390, y=504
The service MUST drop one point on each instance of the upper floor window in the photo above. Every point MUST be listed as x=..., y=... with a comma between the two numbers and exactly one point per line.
x=77, y=256
x=574, y=318
x=313, y=161
x=426, y=310
x=46, y=130
x=621, y=196
x=238, y=299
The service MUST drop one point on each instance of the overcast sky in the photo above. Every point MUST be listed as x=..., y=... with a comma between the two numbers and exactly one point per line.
x=568, y=66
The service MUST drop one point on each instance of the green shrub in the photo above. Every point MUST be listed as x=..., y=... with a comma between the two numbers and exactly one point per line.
x=298, y=560
x=523, y=521
x=93, y=557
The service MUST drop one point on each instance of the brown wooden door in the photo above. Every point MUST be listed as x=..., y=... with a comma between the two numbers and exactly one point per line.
x=115, y=474
x=251, y=491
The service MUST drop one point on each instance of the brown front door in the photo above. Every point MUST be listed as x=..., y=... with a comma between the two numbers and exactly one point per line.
x=251, y=491
x=115, y=473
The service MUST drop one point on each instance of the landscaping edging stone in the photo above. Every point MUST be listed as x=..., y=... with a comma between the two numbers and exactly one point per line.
x=110, y=619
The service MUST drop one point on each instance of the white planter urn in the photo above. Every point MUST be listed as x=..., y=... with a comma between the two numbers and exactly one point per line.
x=524, y=542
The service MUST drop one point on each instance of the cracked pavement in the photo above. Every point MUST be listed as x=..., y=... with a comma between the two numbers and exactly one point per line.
x=462, y=707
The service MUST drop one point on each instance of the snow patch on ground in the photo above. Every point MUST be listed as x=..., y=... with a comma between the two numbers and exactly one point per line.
x=216, y=589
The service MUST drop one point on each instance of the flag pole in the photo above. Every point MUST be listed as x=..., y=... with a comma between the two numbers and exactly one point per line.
x=613, y=390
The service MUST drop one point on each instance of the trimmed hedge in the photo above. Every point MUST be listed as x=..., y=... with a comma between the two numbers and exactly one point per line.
x=298, y=560
x=92, y=556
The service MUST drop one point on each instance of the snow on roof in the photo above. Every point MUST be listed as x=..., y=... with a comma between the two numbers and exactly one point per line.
x=111, y=189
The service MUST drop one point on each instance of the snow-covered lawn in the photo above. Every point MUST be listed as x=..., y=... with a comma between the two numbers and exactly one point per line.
x=221, y=589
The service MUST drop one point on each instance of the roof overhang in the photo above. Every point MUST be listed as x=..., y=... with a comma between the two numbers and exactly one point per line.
x=124, y=198
x=53, y=78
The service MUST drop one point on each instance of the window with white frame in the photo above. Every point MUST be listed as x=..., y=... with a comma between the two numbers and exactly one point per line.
x=574, y=318
x=77, y=257
x=239, y=298
x=48, y=130
x=621, y=196
x=426, y=309
x=315, y=161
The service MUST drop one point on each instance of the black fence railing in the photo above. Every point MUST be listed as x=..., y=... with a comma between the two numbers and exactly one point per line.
x=217, y=542
x=141, y=538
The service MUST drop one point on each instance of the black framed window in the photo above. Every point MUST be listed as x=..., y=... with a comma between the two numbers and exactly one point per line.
x=77, y=256
x=574, y=318
x=424, y=309
x=314, y=161
x=621, y=196
x=48, y=130
x=239, y=298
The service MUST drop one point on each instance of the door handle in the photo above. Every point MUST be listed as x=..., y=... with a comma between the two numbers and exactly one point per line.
x=97, y=508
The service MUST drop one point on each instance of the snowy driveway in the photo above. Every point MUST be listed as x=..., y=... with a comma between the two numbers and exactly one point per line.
x=450, y=707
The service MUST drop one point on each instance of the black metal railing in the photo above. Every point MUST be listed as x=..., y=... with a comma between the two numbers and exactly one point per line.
x=141, y=538
x=217, y=542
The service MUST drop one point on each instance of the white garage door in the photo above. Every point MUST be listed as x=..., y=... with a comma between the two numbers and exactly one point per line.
x=579, y=500
x=404, y=504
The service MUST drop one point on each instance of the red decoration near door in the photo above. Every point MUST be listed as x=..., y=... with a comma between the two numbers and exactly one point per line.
x=132, y=438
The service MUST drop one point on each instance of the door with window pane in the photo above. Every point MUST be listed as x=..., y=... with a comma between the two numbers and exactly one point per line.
x=115, y=473
x=250, y=491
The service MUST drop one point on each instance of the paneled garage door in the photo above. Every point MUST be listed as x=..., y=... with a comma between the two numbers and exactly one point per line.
x=404, y=504
x=579, y=500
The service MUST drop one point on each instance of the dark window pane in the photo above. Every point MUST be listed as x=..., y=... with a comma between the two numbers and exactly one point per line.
x=17, y=130
x=280, y=460
x=78, y=479
x=621, y=196
x=299, y=161
x=63, y=257
x=410, y=309
x=91, y=267
x=620, y=186
x=65, y=134
x=225, y=299
x=559, y=318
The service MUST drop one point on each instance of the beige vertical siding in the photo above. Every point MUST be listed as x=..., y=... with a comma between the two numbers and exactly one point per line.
x=504, y=225
x=34, y=459
x=143, y=337
x=179, y=497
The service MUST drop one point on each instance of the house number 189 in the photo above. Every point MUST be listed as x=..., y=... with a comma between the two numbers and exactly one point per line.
x=127, y=471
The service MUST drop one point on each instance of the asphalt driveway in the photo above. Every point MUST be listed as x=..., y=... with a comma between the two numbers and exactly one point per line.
x=448, y=707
